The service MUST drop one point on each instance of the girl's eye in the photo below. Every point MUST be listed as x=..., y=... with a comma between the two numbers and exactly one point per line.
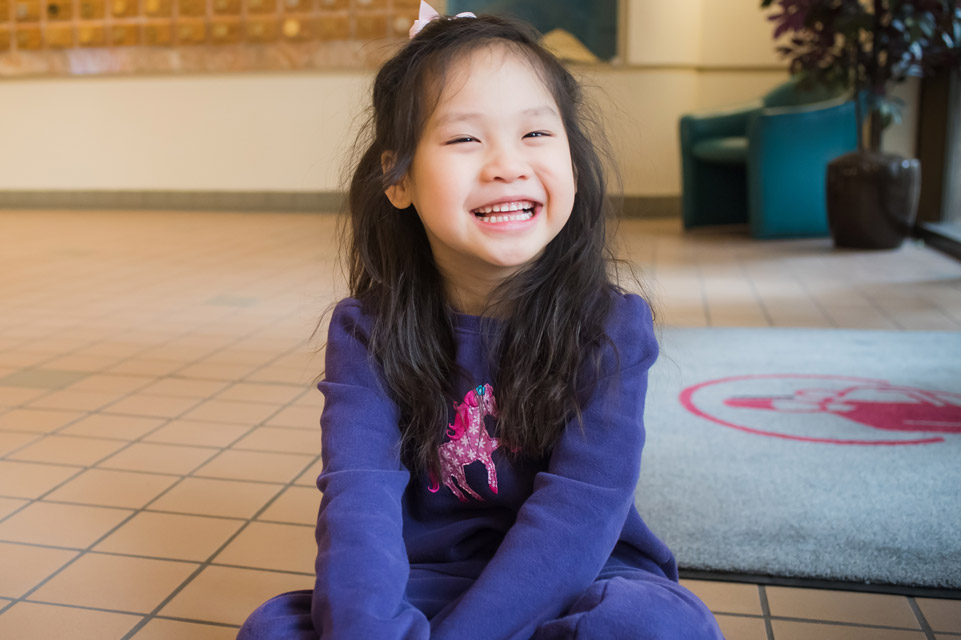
x=462, y=139
x=537, y=134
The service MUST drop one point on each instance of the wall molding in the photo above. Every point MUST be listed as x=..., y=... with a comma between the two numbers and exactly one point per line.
x=257, y=201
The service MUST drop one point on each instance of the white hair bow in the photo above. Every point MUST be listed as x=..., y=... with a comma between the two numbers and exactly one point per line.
x=428, y=13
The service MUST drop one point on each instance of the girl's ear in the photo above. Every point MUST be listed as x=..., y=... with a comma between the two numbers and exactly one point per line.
x=397, y=193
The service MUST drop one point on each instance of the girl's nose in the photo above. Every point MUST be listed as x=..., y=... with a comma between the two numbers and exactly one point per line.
x=505, y=164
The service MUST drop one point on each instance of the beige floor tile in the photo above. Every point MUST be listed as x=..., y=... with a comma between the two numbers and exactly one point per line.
x=727, y=597
x=312, y=398
x=211, y=371
x=165, y=535
x=841, y=606
x=236, y=354
x=25, y=566
x=303, y=359
x=77, y=400
x=78, y=450
x=791, y=630
x=296, y=505
x=141, y=367
x=22, y=358
x=111, y=383
x=227, y=498
x=151, y=406
x=742, y=628
x=309, y=477
x=229, y=595
x=51, y=344
x=30, y=621
x=31, y=479
x=15, y=396
x=160, y=629
x=9, y=505
x=247, y=413
x=186, y=387
x=284, y=375
x=942, y=615
x=112, y=488
x=297, y=417
x=128, y=584
x=74, y=362
x=274, y=394
x=255, y=465
x=101, y=425
x=10, y=440
x=36, y=420
x=106, y=348
x=281, y=439
x=44, y=377
x=43, y=523
x=175, y=353
x=200, y=433
x=158, y=458
x=264, y=545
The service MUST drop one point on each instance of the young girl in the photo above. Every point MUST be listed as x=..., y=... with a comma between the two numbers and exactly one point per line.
x=485, y=384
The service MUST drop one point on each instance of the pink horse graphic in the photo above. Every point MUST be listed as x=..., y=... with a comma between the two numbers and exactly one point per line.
x=469, y=443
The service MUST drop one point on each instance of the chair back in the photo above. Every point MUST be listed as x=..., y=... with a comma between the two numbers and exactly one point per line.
x=790, y=94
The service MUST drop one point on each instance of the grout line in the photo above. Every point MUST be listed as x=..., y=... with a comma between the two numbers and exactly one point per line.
x=67, y=605
x=841, y=623
x=757, y=297
x=928, y=632
x=163, y=423
x=209, y=561
x=766, y=610
x=209, y=623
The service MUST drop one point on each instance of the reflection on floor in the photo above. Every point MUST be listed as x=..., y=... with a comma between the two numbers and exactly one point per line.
x=158, y=421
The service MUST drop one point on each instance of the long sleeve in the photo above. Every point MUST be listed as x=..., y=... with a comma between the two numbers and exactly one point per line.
x=362, y=566
x=566, y=530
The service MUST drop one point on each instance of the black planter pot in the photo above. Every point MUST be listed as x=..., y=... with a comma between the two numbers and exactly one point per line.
x=872, y=199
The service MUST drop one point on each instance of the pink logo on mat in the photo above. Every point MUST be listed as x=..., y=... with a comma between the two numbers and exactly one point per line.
x=829, y=409
x=469, y=443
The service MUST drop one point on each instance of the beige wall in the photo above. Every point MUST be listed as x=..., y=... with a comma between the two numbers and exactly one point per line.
x=289, y=131
x=275, y=132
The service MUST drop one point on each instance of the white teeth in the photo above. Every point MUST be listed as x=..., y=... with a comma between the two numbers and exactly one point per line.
x=515, y=217
x=505, y=207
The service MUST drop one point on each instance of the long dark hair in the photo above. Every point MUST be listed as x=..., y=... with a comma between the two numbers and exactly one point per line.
x=547, y=343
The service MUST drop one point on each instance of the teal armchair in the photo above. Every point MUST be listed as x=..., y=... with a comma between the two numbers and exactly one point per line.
x=765, y=163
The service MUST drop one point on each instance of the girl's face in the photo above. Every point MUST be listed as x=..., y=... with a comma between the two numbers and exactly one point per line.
x=491, y=177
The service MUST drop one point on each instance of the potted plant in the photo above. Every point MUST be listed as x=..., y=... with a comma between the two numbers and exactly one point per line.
x=865, y=46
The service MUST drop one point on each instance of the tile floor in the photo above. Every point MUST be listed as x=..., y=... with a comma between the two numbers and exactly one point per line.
x=158, y=421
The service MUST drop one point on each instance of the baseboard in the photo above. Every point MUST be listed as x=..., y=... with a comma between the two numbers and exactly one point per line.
x=278, y=201
x=261, y=201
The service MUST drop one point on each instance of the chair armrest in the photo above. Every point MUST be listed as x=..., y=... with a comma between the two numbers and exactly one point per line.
x=717, y=124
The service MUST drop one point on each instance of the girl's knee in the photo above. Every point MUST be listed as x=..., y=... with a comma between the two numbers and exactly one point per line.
x=642, y=608
x=663, y=609
x=282, y=617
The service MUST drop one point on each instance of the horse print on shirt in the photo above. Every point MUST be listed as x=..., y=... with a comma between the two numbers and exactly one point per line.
x=469, y=442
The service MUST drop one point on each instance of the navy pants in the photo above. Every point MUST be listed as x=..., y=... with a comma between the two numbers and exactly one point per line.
x=634, y=606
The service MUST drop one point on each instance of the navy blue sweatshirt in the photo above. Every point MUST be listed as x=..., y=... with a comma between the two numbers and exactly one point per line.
x=531, y=536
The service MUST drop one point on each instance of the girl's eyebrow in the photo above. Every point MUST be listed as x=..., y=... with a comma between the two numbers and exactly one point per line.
x=462, y=117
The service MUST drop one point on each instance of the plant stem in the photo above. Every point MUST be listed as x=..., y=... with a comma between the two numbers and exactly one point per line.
x=876, y=78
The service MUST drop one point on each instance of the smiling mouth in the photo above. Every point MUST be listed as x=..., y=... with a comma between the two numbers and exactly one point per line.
x=518, y=211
